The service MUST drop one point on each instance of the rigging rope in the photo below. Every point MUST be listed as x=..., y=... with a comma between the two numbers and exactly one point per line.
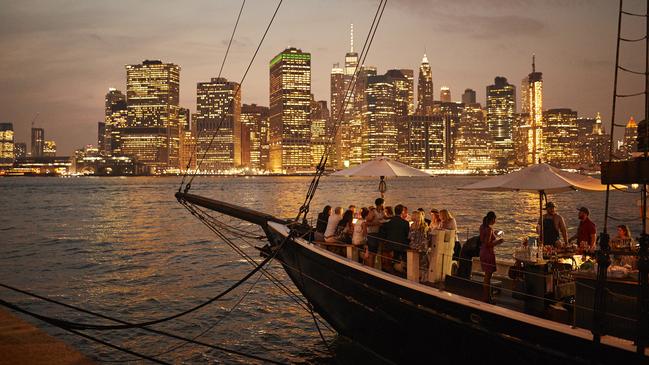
x=227, y=51
x=320, y=169
x=126, y=325
x=243, y=78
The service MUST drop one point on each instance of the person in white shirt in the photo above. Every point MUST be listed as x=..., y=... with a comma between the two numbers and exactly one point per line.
x=332, y=223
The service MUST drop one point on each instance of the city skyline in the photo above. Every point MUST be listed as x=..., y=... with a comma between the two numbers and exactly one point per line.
x=575, y=55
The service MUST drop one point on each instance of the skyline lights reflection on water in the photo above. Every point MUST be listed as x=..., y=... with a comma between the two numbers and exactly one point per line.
x=126, y=248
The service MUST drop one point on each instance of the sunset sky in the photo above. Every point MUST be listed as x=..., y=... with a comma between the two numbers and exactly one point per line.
x=58, y=58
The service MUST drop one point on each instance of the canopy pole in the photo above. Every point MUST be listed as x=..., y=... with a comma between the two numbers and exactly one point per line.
x=383, y=187
x=541, y=218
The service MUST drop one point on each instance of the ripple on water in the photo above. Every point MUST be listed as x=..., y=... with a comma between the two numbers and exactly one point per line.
x=124, y=246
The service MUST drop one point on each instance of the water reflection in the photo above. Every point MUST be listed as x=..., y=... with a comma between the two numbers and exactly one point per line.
x=126, y=247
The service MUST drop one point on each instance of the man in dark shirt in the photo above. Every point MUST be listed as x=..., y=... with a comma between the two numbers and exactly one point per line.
x=395, y=234
x=587, y=230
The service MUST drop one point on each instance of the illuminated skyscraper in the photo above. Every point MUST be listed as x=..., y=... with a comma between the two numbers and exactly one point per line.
x=254, y=123
x=343, y=139
x=319, y=137
x=20, y=150
x=473, y=143
x=380, y=126
x=451, y=113
x=630, y=141
x=290, y=111
x=152, y=134
x=425, y=89
x=49, y=149
x=421, y=142
x=187, y=140
x=501, y=109
x=561, y=138
x=445, y=94
x=38, y=142
x=218, y=125
x=7, y=153
x=535, y=109
x=115, y=117
x=348, y=127
x=403, y=87
x=351, y=57
x=468, y=97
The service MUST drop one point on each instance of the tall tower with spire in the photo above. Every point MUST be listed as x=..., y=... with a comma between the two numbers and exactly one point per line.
x=351, y=58
x=534, y=98
x=425, y=88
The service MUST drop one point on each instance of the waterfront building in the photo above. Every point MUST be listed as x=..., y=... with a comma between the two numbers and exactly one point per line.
x=473, y=143
x=380, y=125
x=520, y=131
x=152, y=96
x=421, y=141
x=534, y=99
x=425, y=91
x=20, y=150
x=188, y=149
x=101, y=135
x=115, y=118
x=594, y=142
x=343, y=138
x=7, y=146
x=218, y=125
x=561, y=138
x=501, y=110
x=49, y=149
x=630, y=141
x=319, y=137
x=38, y=142
x=255, y=124
x=290, y=111
x=43, y=165
x=451, y=112
x=360, y=116
x=403, y=89
x=90, y=161
x=469, y=97
x=445, y=94
x=348, y=133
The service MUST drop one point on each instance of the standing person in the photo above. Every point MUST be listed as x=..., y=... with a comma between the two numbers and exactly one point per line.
x=488, y=240
x=373, y=223
x=448, y=222
x=321, y=223
x=435, y=220
x=554, y=227
x=359, y=237
x=423, y=212
x=389, y=212
x=332, y=223
x=587, y=231
x=419, y=240
x=395, y=241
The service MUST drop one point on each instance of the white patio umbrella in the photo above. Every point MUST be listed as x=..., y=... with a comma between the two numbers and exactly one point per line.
x=381, y=167
x=541, y=178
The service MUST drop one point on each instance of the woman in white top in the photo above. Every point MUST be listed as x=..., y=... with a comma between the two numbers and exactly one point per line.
x=332, y=223
x=360, y=229
x=448, y=222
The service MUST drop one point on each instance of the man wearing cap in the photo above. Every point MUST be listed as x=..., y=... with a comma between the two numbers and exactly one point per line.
x=553, y=225
x=587, y=231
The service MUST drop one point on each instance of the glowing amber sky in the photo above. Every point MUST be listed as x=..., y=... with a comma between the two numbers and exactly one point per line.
x=59, y=58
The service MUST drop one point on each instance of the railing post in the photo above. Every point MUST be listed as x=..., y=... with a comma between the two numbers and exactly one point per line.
x=599, y=310
x=352, y=252
x=412, y=259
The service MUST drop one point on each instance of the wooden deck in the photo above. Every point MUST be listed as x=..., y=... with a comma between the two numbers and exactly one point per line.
x=23, y=343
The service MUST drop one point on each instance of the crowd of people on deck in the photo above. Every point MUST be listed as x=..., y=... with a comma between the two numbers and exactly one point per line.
x=384, y=232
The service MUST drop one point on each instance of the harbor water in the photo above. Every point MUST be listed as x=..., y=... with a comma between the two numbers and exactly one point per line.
x=125, y=247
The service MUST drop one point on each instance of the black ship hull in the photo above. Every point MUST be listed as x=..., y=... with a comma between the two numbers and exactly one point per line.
x=407, y=322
